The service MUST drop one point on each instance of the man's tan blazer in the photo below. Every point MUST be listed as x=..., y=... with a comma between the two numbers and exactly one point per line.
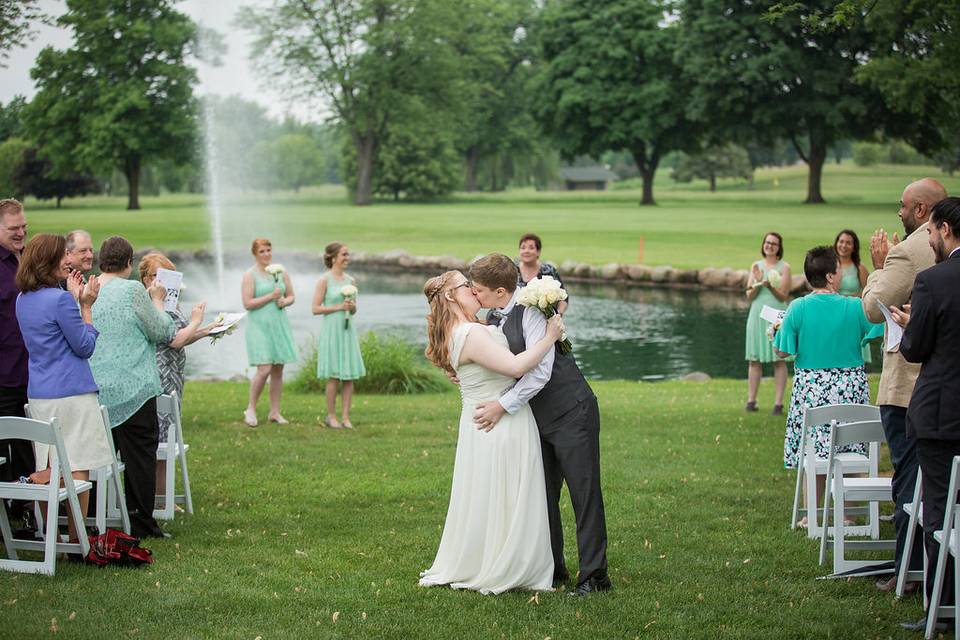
x=892, y=285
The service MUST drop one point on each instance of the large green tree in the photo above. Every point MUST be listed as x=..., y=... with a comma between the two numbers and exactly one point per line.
x=17, y=18
x=610, y=82
x=122, y=94
x=759, y=77
x=365, y=60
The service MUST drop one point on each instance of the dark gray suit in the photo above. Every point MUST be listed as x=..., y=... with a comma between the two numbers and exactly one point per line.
x=933, y=419
x=569, y=422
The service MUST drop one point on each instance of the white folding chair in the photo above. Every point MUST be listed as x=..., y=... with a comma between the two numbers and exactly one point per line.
x=841, y=490
x=45, y=433
x=170, y=452
x=809, y=466
x=111, y=505
x=950, y=533
x=914, y=526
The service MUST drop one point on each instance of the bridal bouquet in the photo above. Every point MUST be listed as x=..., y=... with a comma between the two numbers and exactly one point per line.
x=544, y=293
x=772, y=328
x=276, y=270
x=349, y=293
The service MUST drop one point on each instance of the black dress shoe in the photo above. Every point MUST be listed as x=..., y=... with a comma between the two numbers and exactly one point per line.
x=560, y=579
x=921, y=625
x=592, y=585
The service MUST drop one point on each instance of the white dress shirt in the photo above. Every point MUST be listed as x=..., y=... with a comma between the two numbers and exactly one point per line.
x=534, y=329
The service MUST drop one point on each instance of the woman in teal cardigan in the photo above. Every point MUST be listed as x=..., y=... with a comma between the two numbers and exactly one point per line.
x=131, y=322
x=825, y=331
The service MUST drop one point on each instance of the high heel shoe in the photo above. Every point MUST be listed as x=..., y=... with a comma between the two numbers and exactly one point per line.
x=332, y=423
x=250, y=418
x=347, y=424
x=279, y=419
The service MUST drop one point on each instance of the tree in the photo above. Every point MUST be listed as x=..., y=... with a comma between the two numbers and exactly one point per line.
x=122, y=94
x=36, y=176
x=16, y=17
x=728, y=161
x=366, y=59
x=759, y=76
x=11, y=118
x=293, y=161
x=610, y=83
x=11, y=157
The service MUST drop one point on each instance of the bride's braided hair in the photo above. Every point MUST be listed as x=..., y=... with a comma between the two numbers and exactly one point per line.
x=440, y=320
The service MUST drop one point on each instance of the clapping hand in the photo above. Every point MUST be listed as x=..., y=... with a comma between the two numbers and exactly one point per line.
x=901, y=315
x=75, y=284
x=90, y=291
x=880, y=246
x=196, y=314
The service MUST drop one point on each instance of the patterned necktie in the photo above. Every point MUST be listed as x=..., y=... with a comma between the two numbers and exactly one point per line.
x=494, y=317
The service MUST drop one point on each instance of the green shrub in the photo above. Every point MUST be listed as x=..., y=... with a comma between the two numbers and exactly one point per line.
x=393, y=366
x=867, y=154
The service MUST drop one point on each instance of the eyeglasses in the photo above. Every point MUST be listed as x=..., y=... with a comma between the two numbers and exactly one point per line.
x=462, y=284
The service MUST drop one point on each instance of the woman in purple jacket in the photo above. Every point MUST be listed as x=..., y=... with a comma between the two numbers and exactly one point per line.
x=59, y=337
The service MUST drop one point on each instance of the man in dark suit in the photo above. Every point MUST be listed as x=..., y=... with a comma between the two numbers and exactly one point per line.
x=932, y=337
x=568, y=419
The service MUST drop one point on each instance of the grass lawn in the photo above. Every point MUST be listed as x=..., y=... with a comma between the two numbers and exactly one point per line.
x=303, y=532
x=690, y=228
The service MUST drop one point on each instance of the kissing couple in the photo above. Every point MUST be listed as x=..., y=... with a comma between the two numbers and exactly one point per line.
x=529, y=422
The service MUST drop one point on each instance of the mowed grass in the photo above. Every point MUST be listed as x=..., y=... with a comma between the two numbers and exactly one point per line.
x=305, y=532
x=690, y=227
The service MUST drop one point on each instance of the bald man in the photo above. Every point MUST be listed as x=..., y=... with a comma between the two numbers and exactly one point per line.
x=896, y=266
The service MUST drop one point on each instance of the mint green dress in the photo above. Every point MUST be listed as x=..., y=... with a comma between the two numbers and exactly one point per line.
x=268, y=332
x=758, y=345
x=338, y=347
x=850, y=286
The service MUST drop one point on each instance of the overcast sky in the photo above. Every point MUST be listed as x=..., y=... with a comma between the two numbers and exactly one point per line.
x=234, y=77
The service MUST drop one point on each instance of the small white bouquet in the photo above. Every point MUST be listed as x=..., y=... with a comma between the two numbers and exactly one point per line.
x=772, y=328
x=276, y=270
x=230, y=320
x=773, y=277
x=349, y=293
x=544, y=293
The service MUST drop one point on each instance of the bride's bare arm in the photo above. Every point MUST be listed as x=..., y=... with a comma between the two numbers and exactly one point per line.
x=481, y=348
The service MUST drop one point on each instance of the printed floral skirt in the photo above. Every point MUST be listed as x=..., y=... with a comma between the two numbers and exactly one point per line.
x=815, y=388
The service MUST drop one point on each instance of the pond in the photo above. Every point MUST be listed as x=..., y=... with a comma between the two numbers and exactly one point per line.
x=626, y=333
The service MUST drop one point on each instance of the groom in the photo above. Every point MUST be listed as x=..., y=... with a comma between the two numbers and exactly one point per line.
x=568, y=418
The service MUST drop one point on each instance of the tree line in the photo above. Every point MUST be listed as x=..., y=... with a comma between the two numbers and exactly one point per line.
x=429, y=96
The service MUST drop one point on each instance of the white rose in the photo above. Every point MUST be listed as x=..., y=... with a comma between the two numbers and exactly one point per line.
x=774, y=279
x=274, y=269
x=553, y=296
x=348, y=291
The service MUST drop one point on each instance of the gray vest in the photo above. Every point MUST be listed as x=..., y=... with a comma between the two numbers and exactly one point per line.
x=567, y=385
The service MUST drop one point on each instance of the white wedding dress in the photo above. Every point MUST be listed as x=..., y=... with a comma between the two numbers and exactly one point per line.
x=496, y=536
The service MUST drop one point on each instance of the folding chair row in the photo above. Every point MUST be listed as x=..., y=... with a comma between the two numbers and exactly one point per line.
x=48, y=433
x=170, y=452
x=951, y=534
x=111, y=506
x=842, y=489
x=809, y=466
x=914, y=511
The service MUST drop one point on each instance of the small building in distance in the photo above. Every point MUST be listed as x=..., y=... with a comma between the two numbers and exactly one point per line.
x=586, y=178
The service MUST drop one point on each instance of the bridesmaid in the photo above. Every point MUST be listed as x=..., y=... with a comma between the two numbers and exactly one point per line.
x=338, y=348
x=759, y=349
x=853, y=272
x=269, y=337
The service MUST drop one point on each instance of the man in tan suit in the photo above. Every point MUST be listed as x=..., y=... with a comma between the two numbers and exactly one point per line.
x=896, y=266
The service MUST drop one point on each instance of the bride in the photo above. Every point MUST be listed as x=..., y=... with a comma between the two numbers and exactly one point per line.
x=496, y=535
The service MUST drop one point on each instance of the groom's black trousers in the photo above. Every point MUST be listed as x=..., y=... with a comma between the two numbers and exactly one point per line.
x=571, y=452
